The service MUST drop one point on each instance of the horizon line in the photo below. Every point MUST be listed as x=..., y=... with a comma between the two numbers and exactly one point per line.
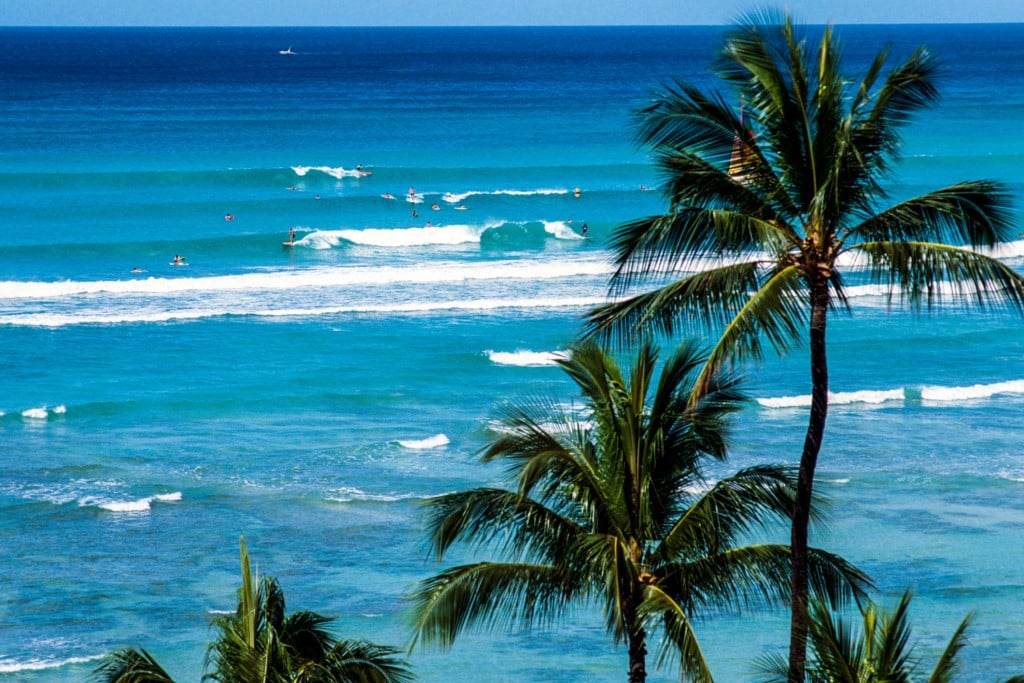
x=450, y=26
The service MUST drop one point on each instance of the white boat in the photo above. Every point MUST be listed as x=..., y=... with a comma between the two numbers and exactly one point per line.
x=286, y=52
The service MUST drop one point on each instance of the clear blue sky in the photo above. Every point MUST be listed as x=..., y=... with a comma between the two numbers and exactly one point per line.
x=486, y=12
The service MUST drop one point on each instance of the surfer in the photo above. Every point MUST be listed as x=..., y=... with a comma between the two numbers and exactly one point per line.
x=584, y=229
x=178, y=260
x=291, y=235
x=576, y=193
x=414, y=214
x=435, y=207
x=387, y=195
x=228, y=217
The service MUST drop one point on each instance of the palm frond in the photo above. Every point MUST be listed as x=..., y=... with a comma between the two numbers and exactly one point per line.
x=891, y=650
x=129, y=665
x=777, y=310
x=689, y=239
x=918, y=273
x=521, y=527
x=679, y=637
x=731, y=508
x=839, y=653
x=880, y=115
x=973, y=213
x=491, y=595
x=358, y=661
x=304, y=635
x=706, y=300
x=949, y=664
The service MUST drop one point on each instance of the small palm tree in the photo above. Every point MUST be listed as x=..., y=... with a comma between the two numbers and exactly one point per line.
x=260, y=644
x=777, y=196
x=616, y=511
x=881, y=652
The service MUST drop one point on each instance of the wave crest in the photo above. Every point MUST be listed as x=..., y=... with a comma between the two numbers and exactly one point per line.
x=436, y=441
x=526, y=358
x=140, y=505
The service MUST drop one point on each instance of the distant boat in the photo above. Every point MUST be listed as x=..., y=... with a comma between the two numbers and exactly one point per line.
x=286, y=52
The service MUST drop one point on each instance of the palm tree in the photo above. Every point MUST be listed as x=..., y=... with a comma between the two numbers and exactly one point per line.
x=881, y=652
x=812, y=153
x=259, y=644
x=615, y=509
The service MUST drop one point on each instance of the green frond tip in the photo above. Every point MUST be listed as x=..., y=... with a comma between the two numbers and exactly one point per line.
x=130, y=666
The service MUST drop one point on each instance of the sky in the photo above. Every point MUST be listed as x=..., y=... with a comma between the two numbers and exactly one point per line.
x=489, y=12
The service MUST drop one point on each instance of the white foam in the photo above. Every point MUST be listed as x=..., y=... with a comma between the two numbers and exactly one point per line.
x=526, y=358
x=35, y=413
x=8, y=665
x=455, y=197
x=347, y=494
x=336, y=172
x=528, y=193
x=839, y=398
x=411, y=308
x=561, y=230
x=971, y=393
x=315, y=277
x=436, y=441
x=410, y=237
x=140, y=505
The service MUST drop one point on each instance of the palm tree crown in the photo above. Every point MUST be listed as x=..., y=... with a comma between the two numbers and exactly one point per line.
x=880, y=651
x=615, y=510
x=769, y=204
x=261, y=644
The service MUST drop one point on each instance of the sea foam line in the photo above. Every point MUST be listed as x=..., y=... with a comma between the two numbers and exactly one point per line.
x=436, y=272
x=933, y=394
x=401, y=237
x=14, y=666
x=41, y=413
x=436, y=441
x=140, y=505
x=526, y=358
x=973, y=392
x=336, y=172
x=411, y=308
x=348, y=494
x=839, y=398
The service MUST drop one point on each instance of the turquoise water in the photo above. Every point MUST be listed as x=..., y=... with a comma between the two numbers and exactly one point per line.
x=311, y=397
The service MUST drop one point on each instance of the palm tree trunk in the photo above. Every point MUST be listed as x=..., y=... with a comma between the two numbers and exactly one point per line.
x=805, y=484
x=638, y=656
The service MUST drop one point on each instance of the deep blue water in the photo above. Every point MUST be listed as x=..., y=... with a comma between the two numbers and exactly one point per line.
x=311, y=397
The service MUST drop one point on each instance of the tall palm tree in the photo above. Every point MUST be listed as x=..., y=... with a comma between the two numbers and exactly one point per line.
x=612, y=507
x=880, y=652
x=260, y=644
x=808, y=152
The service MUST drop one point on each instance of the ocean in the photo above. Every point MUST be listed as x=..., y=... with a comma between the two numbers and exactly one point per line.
x=311, y=397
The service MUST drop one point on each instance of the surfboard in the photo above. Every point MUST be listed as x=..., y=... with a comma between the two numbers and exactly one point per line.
x=287, y=244
x=178, y=263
